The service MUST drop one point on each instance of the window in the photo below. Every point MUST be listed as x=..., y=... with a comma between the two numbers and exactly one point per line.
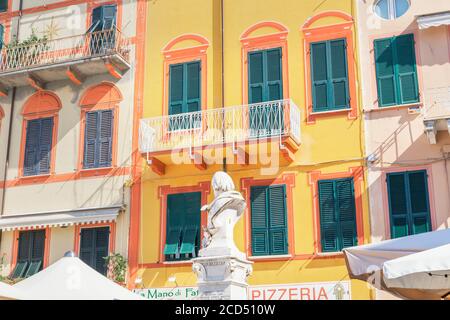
x=184, y=95
x=94, y=247
x=391, y=9
x=268, y=220
x=38, y=146
x=2, y=34
x=396, y=72
x=409, y=206
x=3, y=5
x=98, y=139
x=103, y=28
x=329, y=74
x=337, y=214
x=30, y=254
x=183, y=226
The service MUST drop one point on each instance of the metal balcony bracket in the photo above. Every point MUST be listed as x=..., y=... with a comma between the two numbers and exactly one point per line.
x=431, y=131
x=156, y=165
x=75, y=76
x=113, y=69
x=36, y=83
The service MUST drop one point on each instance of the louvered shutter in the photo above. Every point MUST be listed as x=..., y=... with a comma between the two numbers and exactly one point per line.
x=259, y=221
x=31, y=147
x=319, y=74
x=339, y=77
x=256, y=77
x=87, y=239
x=385, y=72
x=90, y=139
x=420, y=208
x=3, y=5
x=274, y=74
x=329, y=232
x=101, y=248
x=347, y=213
x=109, y=16
x=37, y=252
x=193, y=85
x=277, y=220
x=2, y=34
x=398, y=204
x=190, y=241
x=24, y=250
x=105, y=138
x=45, y=146
x=406, y=69
x=176, y=89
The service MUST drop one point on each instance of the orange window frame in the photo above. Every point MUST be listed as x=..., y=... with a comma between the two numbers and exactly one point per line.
x=15, y=246
x=287, y=179
x=357, y=173
x=42, y=104
x=324, y=33
x=112, y=235
x=203, y=187
x=93, y=100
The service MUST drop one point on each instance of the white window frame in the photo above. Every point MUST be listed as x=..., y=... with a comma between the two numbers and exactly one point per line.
x=392, y=14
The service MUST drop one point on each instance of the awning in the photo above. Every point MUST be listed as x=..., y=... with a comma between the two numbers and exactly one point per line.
x=59, y=219
x=433, y=20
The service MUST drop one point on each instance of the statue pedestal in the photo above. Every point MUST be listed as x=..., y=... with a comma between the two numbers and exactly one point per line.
x=222, y=277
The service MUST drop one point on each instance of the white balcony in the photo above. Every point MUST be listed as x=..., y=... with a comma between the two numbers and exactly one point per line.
x=231, y=125
x=436, y=111
x=74, y=57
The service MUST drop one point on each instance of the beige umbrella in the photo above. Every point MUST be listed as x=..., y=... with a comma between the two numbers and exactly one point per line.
x=8, y=292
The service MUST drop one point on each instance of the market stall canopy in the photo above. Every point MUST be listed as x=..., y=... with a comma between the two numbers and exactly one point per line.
x=433, y=20
x=60, y=218
x=71, y=279
x=8, y=292
x=413, y=267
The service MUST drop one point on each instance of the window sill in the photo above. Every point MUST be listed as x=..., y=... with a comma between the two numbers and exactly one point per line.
x=268, y=258
x=318, y=113
x=177, y=262
x=37, y=178
x=95, y=171
x=337, y=254
x=396, y=107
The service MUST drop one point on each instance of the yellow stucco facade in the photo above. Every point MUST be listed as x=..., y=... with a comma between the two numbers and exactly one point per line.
x=330, y=144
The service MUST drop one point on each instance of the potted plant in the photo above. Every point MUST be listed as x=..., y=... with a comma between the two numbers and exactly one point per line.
x=116, y=268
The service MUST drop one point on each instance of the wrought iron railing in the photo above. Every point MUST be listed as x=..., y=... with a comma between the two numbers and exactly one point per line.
x=221, y=126
x=45, y=52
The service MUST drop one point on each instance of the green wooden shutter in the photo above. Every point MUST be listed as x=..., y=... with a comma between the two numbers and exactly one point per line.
x=277, y=220
x=347, y=213
x=193, y=86
x=274, y=74
x=109, y=16
x=385, y=72
x=339, y=78
x=3, y=5
x=398, y=204
x=256, y=77
x=105, y=133
x=45, y=146
x=24, y=253
x=420, y=207
x=2, y=35
x=87, y=246
x=20, y=269
x=31, y=147
x=101, y=248
x=176, y=85
x=90, y=139
x=319, y=75
x=406, y=69
x=259, y=221
x=328, y=217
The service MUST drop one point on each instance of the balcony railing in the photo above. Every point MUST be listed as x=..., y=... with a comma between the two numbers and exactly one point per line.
x=274, y=119
x=45, y=52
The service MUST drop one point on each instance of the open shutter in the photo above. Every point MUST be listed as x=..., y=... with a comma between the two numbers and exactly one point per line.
x=45, y=146
x=190, y=241
x=420, y=208
x=31, y=147
x=319, y=75
x=328, y=217
x=109, y=16
x=90, y=139
x=174, y=226
x=97, y=20
x=339, y=78
x=38, y=246
x=193, y=84
x=259, y=221
x=406, y=69
x=101, y=248
x=87, y=246
x=24, y=250
x=176, y=89
x=398, y=204
x=347, y=213
x=277, y=219
x=256, y=77
x=385, y=72
x=105, y=138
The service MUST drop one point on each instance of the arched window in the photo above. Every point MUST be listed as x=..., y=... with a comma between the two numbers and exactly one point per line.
x=391, y=9
x=40, y=119
x=99, y=108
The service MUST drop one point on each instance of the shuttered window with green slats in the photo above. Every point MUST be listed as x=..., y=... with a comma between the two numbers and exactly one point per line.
x=98, y=139
x=396, y=70
x=329, y=75
x=30, y=254
x=94, y=247
x=269, y=220
x=38, y=146
x=183, y=226
x=409, y=206
x=337, y=214
x=184, y=95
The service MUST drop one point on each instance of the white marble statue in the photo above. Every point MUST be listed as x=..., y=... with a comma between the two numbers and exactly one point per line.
x=223, y=213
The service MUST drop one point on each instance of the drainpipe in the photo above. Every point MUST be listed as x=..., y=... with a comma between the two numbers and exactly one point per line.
x=224, y=163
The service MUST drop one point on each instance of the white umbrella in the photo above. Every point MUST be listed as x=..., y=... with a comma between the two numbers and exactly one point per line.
x=71, y=279
x=8, y=292
x=413, y=267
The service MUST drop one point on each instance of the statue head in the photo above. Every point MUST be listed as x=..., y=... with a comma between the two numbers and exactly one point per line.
x=222, y=182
